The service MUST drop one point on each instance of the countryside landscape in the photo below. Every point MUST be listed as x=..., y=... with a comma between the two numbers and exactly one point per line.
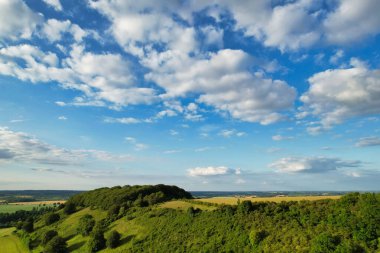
x=190, y=126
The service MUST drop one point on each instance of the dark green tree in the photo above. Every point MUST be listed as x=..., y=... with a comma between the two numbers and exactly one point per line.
x=28, y=225
x=47, y=236
x=50, y=218
x=86, y=224
x=69, y=208
x=113, y=240
x=56, y=245
x=97, y=241
x=323, y=243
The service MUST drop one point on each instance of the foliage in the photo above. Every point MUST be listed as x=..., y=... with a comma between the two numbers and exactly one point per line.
x=28, y=225
x=97, y=241
x=113, y=240
x=86, y=224
x=69, y=208
x=47, y=236
x=128, y=196
x=50, y=218
x=56, y=245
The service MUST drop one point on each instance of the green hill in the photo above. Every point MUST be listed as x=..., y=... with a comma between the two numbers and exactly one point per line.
x=348, y=224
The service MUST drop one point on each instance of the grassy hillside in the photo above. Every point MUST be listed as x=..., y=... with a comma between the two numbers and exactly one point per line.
x=348, y=224
x=10, y=243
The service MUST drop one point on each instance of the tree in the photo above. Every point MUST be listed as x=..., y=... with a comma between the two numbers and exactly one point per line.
x=86, y=224
x=323, y=243
x=97, y=241
x=69, y=208
x=28, y=226
x=56, y=245
x=113, y=239
x=245, y=207
x=50, y=218
x=48, y=235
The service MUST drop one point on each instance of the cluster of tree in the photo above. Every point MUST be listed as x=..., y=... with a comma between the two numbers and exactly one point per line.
x=35, y=195
x=351, y=224
x=128, y=196
x=11, y=219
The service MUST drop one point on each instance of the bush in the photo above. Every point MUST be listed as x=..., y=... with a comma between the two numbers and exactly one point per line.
x=113, y=239
x=69, y=208
x=51, y=218
x=28, y=226
x=86, y=224
x=48, y=235
x=56, y=245
x=97, y=242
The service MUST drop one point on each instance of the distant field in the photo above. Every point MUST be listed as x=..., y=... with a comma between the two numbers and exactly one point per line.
x=27, y=206
x=234, y=200
x=178, y=204
x=10, y=243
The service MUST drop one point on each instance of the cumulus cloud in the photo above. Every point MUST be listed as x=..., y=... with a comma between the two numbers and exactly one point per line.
x=212, y=171
x=352, y=21
x=368, y=141
x=126, y=121
x=54, y=29
x=224, y=82
x=101, y=77
x=312, y=164
x=17, y=20
x=338, y=94
x=56, y=4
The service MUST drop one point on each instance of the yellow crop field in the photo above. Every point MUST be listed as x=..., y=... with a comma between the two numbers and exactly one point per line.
x=234, y=200
x=183, y=205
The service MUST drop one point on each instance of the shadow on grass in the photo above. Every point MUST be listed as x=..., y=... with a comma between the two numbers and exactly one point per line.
x=126, y=239
x=76, y=246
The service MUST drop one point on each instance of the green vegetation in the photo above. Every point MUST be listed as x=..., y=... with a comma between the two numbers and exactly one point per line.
x=11, y=208
x=35, y=195
x=348, y=224
x=9, y=242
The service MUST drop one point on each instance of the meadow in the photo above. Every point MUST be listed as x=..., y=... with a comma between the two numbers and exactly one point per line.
x=10, y=243
x=26, y=206
x=234, y=200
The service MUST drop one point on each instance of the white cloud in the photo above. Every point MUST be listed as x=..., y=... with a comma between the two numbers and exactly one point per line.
x=368, y=141
x=62, y=118
x=352, y=21
x=312, y=164
x=281, y=137
x=101, y=77
x=23, y=148
x=334, y=59
x=173, y=132
x=338, y=94
x=227, y=133
x=17, y=20
x=127, y=121
x=212, y=171
x=225, y=83
x=56, y=4
x=54, y=29
x=138, y=146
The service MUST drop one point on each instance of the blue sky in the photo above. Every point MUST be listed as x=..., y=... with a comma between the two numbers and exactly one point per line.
x=206, y=95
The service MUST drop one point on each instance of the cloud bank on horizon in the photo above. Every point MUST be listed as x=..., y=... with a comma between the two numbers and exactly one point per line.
x=122, y=92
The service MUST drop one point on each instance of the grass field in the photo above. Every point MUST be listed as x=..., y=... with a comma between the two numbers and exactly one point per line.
x=183, y=205
x=234, y=200
x=27, y=206
x=10, y=243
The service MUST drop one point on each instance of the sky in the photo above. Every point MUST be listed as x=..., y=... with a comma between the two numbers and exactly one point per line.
x=221, y=95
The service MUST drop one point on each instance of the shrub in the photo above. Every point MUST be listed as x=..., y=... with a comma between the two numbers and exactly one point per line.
x=51, y=218
x=86, y=224
x=56, y=245
x=97, y=242
x=113, y=239
x=48, y=235
x=69, y=208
